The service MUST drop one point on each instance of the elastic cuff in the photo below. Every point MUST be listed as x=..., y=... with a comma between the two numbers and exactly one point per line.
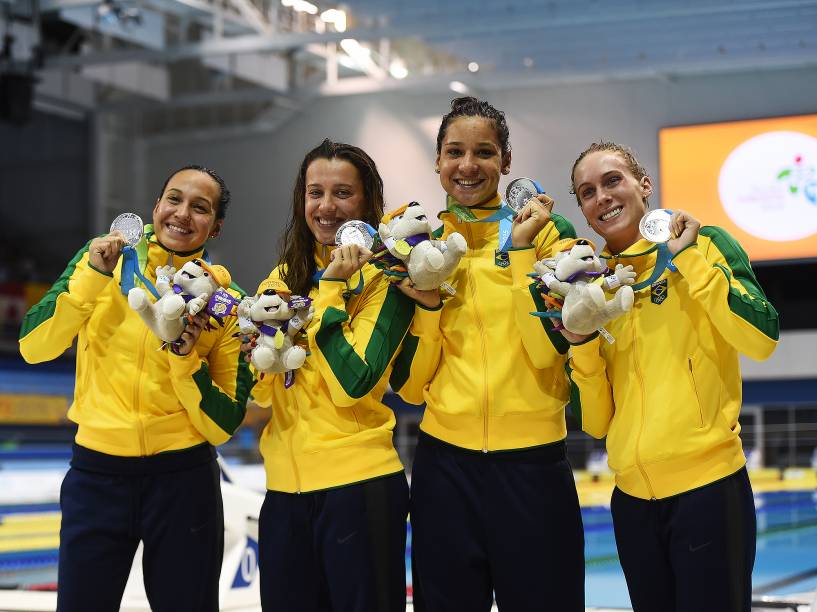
x=521, y=264
x=93, y=267
x=184, y=365
x=589, y=338
x=522, y=248
x=89, y=283
x=428, y=308
x=693, y=244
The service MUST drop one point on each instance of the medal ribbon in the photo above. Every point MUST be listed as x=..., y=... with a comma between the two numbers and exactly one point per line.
x=663, y=261
x=131, y=270
x=504, y=215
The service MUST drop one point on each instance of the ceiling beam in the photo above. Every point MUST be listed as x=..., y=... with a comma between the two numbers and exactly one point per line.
x=285, y=41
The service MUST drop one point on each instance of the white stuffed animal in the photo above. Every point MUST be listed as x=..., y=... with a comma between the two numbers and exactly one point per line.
x=192, y=287
x=277, y=317
x=406, y=235
x=577, y=275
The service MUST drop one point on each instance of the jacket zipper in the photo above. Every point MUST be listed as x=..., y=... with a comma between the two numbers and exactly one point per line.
x=643, y=415
x=695, y=388
x=481, y=329
x=291, y=442
x=140, y=429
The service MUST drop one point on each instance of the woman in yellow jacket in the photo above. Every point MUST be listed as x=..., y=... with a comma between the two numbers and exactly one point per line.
x=332, y=529
x=143, y=464
x=494, y=506
x=667, y=394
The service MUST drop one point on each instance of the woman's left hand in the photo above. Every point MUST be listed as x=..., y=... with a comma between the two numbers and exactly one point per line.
x=530, y=221
x=346, y=260
x=684, y=229
x=191, y=333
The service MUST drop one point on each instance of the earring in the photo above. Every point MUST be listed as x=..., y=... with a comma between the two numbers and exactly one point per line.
x=437, y=170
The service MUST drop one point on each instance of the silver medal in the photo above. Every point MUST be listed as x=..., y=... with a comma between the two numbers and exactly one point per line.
x=354, y=232
x=130, y=225
x=519, y=191
x=654, y=226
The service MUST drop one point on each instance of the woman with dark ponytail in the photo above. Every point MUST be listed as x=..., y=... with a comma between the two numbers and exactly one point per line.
x=494, y=508
x=332, y=530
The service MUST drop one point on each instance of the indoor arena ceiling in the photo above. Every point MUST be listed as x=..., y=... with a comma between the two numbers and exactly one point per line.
x=278, y=53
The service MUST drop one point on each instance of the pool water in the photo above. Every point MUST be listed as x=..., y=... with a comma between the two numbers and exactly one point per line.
x=786, y=560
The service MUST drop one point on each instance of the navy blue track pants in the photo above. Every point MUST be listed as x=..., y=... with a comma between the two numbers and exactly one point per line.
x=504, y=524
x=338, y=550
x=171, y=502
x=690, y=552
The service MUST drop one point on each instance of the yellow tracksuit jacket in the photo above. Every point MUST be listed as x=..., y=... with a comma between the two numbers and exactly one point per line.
x=132, y=399
x=330, y=428
x=490, y=378
x=667, y=392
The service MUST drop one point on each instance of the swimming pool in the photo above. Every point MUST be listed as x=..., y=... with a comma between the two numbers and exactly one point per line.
x=786, y=561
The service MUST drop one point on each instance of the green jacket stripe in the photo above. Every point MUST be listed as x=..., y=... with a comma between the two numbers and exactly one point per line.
x=217, y=405
x=564, y=227
x=45, y=308
x=357, y=376
x=556, y=339
x=575, y=398
x=402, y=365
x=751, y=306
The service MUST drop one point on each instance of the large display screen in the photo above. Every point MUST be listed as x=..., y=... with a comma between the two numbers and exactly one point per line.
x=756, y=179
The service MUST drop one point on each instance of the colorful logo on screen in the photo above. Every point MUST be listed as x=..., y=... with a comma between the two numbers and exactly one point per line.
x=768, y=186
x=800, y=179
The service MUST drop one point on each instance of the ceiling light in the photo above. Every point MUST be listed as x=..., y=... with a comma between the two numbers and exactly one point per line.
x=302, y=6
x=335, y=17
x=473, y=66
x=458, y=86
x=398, y=69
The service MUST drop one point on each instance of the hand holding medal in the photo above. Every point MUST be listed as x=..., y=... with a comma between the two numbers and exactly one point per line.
x=533, y=208
x=675, y=228
x=104, y=252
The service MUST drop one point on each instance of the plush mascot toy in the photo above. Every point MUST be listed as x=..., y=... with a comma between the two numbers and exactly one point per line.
x=191, y=292
x=278, y=317
x=405, y=248
x=574, y=283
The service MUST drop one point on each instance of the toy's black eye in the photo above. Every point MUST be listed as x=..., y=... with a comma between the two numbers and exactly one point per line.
x=269, y=292
x=205, y=274
x=197, y=262
x=582, y=242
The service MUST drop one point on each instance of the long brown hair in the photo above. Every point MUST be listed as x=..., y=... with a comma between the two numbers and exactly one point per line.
x=297, y=242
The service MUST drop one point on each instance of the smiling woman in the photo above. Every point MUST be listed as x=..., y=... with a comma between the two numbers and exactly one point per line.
x=143, y=465
x=668, y=395
x=332, y=530
x=189, y=210
x=491, y=449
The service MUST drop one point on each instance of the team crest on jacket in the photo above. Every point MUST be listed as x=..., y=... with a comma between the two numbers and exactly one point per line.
x=658, y=292
x=501, y=259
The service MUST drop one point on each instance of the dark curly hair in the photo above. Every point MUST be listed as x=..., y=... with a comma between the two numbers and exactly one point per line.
x=469, y=106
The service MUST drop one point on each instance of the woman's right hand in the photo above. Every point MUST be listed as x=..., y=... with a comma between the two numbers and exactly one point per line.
x=104, y=252
x=430, y=298
x=345, y=260
x=247, y=345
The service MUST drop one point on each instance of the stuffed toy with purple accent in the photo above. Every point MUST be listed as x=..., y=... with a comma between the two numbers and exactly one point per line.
x=405, y=235
x=278, y=319
x=575, y=282
x=182, y=293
